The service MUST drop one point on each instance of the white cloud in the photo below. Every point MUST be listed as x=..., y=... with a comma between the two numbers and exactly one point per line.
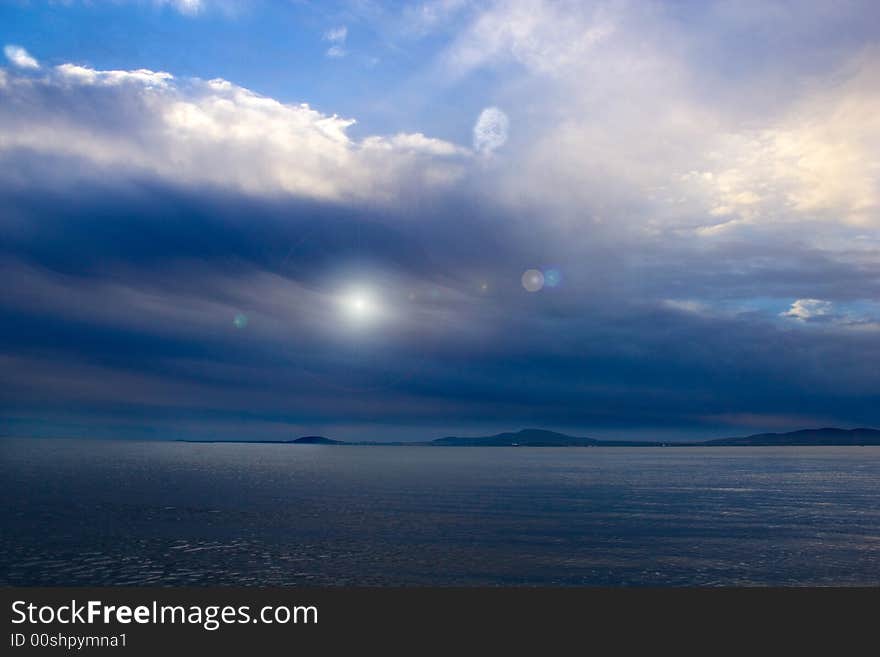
x=685, y=306
x=189, y=7
x=420, y=19
x=20, y=57
x=416, y=143
x=194, y=132
x=84, y=75
x=619, y=118
x=819, y=160
x=490, y=130
x=336, y=34
x=806, y=309
x=337, y=37
x=544, y=37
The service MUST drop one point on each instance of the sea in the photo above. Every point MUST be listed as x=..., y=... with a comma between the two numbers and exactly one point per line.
x=89, y=512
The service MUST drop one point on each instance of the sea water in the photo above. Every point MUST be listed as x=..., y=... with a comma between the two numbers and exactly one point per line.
x=80, y=512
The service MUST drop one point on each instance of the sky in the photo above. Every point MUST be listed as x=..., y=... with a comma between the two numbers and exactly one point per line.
x=398, y=221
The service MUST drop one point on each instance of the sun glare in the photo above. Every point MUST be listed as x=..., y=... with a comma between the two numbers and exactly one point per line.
x=359, y=306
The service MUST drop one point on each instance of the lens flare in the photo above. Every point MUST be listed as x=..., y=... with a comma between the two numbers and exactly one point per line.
x=552, y=277
x=532, y=280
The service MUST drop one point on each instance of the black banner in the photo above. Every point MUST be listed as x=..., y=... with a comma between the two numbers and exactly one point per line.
x=151, y=621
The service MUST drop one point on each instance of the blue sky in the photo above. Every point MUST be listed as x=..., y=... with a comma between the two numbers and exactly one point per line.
x=279, y=49
x=401, y=220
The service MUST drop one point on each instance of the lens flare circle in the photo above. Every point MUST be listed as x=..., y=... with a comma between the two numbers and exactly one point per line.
x=532, y=280
x=552, y=277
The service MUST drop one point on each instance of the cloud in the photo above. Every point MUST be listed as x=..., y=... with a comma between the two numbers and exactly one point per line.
x=490, y=130
x=337, y=37
x=83, y=75
x=808, y=309
x=120, y=289
x=817, y=161
x=420, y=19
x=195, y=132
x=684, y=306
x=20, y=57
x=616, y=127
x=690, y=176
x=336, y=34
x=544, y=37
x=188, y=7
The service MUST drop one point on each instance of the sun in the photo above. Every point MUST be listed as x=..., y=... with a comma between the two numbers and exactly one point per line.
x=359, y=305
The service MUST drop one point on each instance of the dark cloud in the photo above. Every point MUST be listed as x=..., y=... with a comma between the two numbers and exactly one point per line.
x=120, y=307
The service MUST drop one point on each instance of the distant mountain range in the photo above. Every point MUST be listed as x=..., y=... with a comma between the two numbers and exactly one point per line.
x=536, y=438
x=543, y=438
x=526, y=438
x=804, y=437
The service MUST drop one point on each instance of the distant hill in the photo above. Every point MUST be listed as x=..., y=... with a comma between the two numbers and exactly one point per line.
x=805, y=437
x=541, y=438
x=316, y=440
x=525, y=438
